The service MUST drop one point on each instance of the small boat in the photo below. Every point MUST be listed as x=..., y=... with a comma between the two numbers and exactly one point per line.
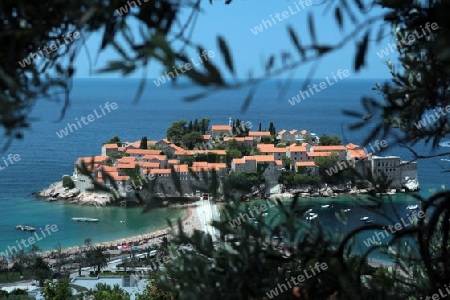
x=325, y=206
x=364, y=219
x=346, y=210
x=412, y=207
x=369, y=221
x=84, y=220
x=308, y=211
x=311, y=216
x=25, y=228
x=265, y=214
x=391, y=192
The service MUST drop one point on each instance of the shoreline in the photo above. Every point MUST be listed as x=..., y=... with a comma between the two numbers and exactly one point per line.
x=143, y=240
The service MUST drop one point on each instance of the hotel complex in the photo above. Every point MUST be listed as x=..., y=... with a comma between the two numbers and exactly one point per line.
x=158, y=164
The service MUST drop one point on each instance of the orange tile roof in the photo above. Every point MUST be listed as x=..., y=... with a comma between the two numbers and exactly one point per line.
x=217, y=166
x=193, y=152
x=295, y=148
x=352, y=146
x=204, y=166
x=270, y=148
x=239, y=161
x=259, y=133
x=134, y=144
x=120, y=149
x=293, y=131
x=184, y=152
x=143, y=152
x=108, y=169
x=315, y=154
x=260, y=158
x=329, y=148
x=282, y=131
x=218, y=152
x=117, y=177
x=206, y=136
x=358, y=153
x=99, y=158
x=181, y=168
x=278, y=163
x=304, y=131
x=200, y=164
x=126, y=166
x=264, y=158
x=221, y=127
x=173, y=161
x=305, y=164
x=126, y=160
x=110, y=146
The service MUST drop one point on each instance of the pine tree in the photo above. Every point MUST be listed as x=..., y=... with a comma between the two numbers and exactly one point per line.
x=143, y=144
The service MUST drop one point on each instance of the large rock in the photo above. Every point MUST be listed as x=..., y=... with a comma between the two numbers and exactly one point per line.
x=411, y=185
x=56, y=191
x=328, y=192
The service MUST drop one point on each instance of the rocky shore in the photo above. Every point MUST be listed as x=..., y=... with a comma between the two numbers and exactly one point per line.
x=56, y=192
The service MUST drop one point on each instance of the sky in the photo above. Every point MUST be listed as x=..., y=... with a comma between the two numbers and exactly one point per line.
x=235, y=22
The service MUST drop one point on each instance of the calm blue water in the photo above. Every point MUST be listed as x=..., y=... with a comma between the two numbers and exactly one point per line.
x=45, y=157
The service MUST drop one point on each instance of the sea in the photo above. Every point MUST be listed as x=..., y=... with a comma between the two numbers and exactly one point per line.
x=45, y=155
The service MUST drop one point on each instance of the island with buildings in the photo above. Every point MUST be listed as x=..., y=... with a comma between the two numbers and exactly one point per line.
x=274, y=163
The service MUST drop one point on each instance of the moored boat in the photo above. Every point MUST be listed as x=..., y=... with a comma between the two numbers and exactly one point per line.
x=311, y=216
x=308, y=211
x=25, y=228
x=412, y=207
x=84, y=220
x=364, y=219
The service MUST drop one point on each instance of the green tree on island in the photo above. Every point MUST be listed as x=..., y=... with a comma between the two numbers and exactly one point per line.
x=333, y=140
x=143, y=144
x=68, y=182
x=114, y=140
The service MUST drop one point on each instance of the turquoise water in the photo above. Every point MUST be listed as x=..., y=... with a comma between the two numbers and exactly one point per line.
x=45, y=158
x=114, y=222
x=329, y=221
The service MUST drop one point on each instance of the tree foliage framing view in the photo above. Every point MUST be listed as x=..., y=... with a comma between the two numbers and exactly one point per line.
x=242, y=265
